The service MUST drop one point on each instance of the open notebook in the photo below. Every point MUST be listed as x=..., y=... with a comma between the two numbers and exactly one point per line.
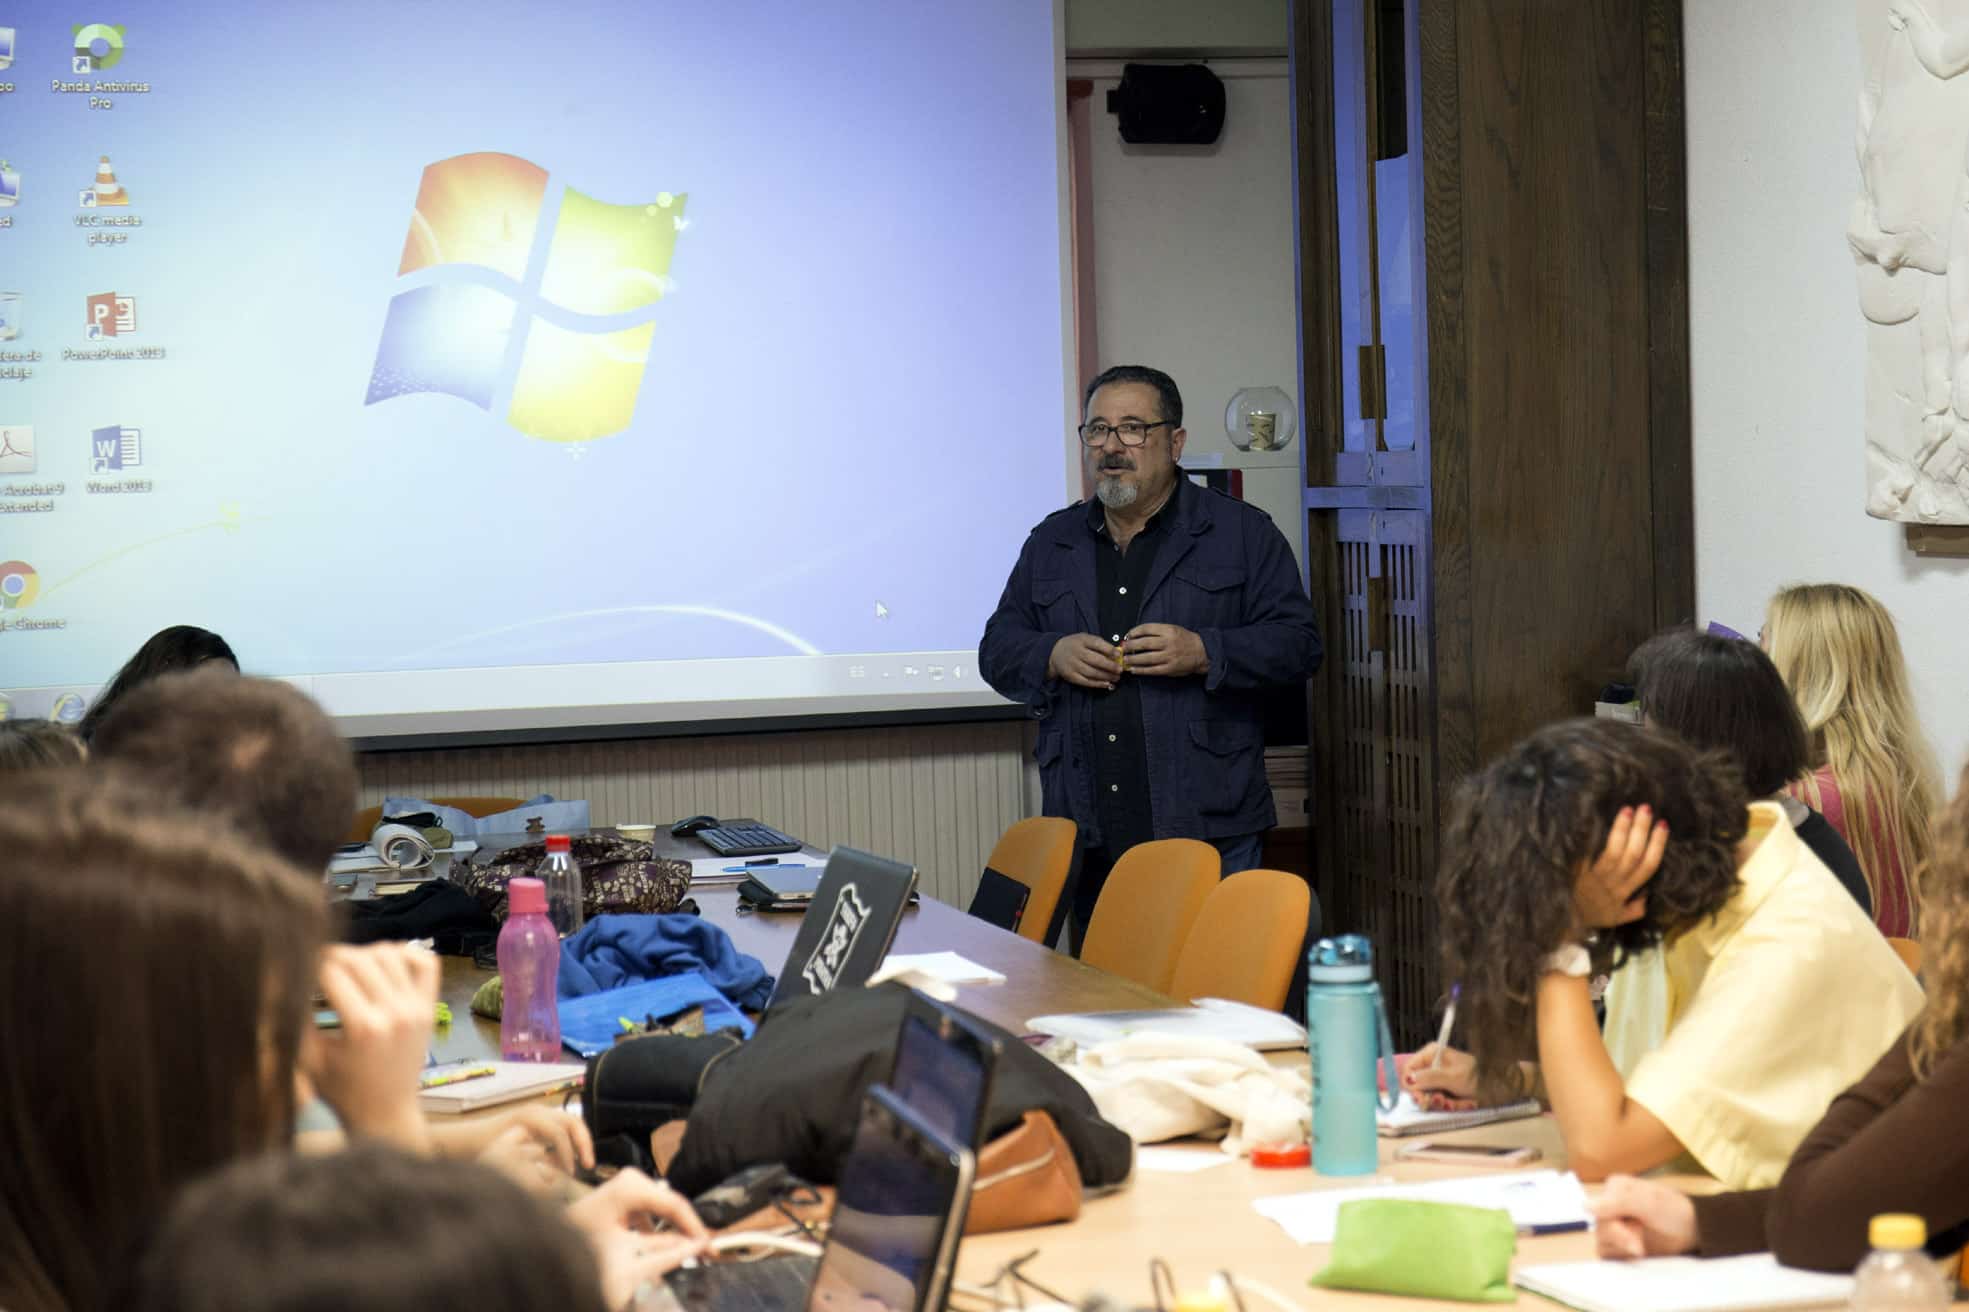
x=1685, y=1284
x=1409, y=1119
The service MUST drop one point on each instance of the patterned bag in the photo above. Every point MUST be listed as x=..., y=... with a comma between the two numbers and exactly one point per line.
x=618, y=876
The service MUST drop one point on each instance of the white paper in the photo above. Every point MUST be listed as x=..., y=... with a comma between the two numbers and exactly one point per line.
x=948, y=967
x=1531, y=1197
x=1686, y=1284
x=1179, y=1161
x=1209, y=1019
x=1407, y=1118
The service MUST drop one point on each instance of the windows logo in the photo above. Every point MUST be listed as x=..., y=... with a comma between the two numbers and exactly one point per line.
x=571, y=368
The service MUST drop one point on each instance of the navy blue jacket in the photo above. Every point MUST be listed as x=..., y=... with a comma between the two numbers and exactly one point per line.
x=1224, y=572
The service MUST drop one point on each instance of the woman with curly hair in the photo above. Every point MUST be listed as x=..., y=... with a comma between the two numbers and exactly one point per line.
x=1873, y=777
x=1898, y=1141
x=1592, y=841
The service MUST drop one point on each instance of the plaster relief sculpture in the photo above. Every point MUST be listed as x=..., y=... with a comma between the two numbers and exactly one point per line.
x=1909, y=237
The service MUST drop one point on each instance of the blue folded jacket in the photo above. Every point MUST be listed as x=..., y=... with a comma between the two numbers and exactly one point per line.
x=610, y=951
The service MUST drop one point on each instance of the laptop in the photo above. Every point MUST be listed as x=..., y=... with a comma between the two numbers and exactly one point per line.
x=899, y=1211
x=943, y=1068
x=849, y=924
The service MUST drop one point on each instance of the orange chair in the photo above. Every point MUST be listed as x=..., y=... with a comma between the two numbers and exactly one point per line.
x=369, y=817
x=1246, y=941
x=1909, y=952
x=1039, y=854
x=1146, y=908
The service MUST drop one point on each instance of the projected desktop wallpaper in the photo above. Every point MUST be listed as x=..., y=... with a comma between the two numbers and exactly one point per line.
x=386, y=337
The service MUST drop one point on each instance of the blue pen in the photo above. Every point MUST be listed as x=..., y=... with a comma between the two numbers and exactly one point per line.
x=1555, y=1228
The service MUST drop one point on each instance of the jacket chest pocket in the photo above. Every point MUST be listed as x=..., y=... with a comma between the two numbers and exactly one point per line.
x=1227, y=764
x=1052, y=601
x=1203, y=595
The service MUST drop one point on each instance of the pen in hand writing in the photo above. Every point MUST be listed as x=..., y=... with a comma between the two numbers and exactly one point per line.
x=1449, y=1020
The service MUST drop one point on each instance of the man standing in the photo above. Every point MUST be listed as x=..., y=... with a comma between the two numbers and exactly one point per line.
x=1141, y=627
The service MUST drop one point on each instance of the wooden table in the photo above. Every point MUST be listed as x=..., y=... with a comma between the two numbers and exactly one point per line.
x=1199, y=1223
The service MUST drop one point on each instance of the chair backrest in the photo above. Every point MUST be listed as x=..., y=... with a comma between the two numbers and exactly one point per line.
x=1909, y=952
x=369, y=817
x=1039, y=854
x=1246, y=941
x=1147, y=906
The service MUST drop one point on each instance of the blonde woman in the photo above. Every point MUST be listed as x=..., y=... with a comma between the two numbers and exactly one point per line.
x=1898, y=1141
x=1874, y=778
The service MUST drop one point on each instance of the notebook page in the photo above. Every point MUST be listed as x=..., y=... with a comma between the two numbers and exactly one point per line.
x=1685, y=1284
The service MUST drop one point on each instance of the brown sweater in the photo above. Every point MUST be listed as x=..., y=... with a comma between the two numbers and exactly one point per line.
x=1890, y=1143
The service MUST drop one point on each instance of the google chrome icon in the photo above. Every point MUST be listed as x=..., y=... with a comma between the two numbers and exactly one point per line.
x=19, y=585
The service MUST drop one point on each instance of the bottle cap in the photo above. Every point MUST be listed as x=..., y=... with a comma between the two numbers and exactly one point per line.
x=1279, y=1155
x=558, y=843
x=1897, y=1230
x=1347, y=959
x=526, y=897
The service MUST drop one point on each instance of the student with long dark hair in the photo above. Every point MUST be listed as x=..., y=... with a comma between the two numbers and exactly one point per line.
x=1724, y=694
x=1897, y=1141
x=1592, y=841
x=180, y=647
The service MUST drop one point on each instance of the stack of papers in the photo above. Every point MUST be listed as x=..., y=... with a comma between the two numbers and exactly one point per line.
x=943, y=967
x=1209, y=1018
x=1685, y=1284
x=509, y=1082
x=1535, y=1199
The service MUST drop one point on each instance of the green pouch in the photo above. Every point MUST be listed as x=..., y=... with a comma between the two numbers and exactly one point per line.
x=1424, y=1250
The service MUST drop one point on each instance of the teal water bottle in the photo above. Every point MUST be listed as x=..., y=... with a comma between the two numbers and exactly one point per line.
x=1347, y=1029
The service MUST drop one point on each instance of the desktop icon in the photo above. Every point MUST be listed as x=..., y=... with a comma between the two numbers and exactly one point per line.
x=113, y=450
x=10, y=185
x=106, y=190
x=68, y=708
x=6, y=708
x=11, y=305
x=97, y=46
x=110, y=315
x=6, y=48
x=16, y=449
x=19, y=585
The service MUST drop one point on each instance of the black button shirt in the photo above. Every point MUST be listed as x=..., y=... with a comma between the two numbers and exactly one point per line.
x=1121, y=762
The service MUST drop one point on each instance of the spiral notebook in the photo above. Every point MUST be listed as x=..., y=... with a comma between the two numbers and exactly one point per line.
x=1685, y=1284
x=1407, y=1118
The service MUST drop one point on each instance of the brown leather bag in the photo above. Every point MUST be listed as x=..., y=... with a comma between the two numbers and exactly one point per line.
x=1026, y=1176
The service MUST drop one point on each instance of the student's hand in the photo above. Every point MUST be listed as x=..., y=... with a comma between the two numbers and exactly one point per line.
x=1639, y=1218
x=386, y=995
x=1085, y=661
x=1164, y=649
x=1452, y=1086
x=1608, y=892
x=619, y=1220
x=538, y=1146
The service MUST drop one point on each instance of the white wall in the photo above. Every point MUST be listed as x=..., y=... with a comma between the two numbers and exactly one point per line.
x=1194, y=270
x=1776, y=346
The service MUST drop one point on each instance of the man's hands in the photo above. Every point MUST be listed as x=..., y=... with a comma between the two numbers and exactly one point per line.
x=1639, y=1218
x=1085, y=661
x=1608, y=892
x=1161, y=650
x=619, y=1220
x=386, y=995
x=538, y=1146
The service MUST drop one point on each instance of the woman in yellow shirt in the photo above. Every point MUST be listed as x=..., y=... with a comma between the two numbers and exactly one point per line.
x=1592, y=841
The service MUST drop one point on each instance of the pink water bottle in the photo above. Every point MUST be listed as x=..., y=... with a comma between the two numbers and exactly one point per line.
x=529, y=970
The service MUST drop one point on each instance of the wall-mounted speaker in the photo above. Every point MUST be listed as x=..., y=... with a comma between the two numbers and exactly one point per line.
x=1168, y=104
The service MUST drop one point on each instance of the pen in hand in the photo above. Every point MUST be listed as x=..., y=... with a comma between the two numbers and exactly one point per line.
x=1449, y=1020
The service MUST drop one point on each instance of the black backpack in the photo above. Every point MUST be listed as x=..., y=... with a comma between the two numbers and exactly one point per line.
x=793, y=1093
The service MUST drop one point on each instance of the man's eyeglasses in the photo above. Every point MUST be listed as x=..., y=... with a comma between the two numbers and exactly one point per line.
x=1132, y=432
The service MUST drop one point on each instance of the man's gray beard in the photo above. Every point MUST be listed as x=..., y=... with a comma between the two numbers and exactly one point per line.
x=1115, y=494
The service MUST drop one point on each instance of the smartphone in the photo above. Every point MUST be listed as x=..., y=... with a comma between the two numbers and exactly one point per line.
x=1466, y=1154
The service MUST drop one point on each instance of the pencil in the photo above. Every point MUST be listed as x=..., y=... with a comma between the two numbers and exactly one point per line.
x=443, y=1078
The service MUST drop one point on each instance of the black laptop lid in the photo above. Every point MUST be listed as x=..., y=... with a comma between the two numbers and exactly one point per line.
x=849, y=925
x=1000, y=900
